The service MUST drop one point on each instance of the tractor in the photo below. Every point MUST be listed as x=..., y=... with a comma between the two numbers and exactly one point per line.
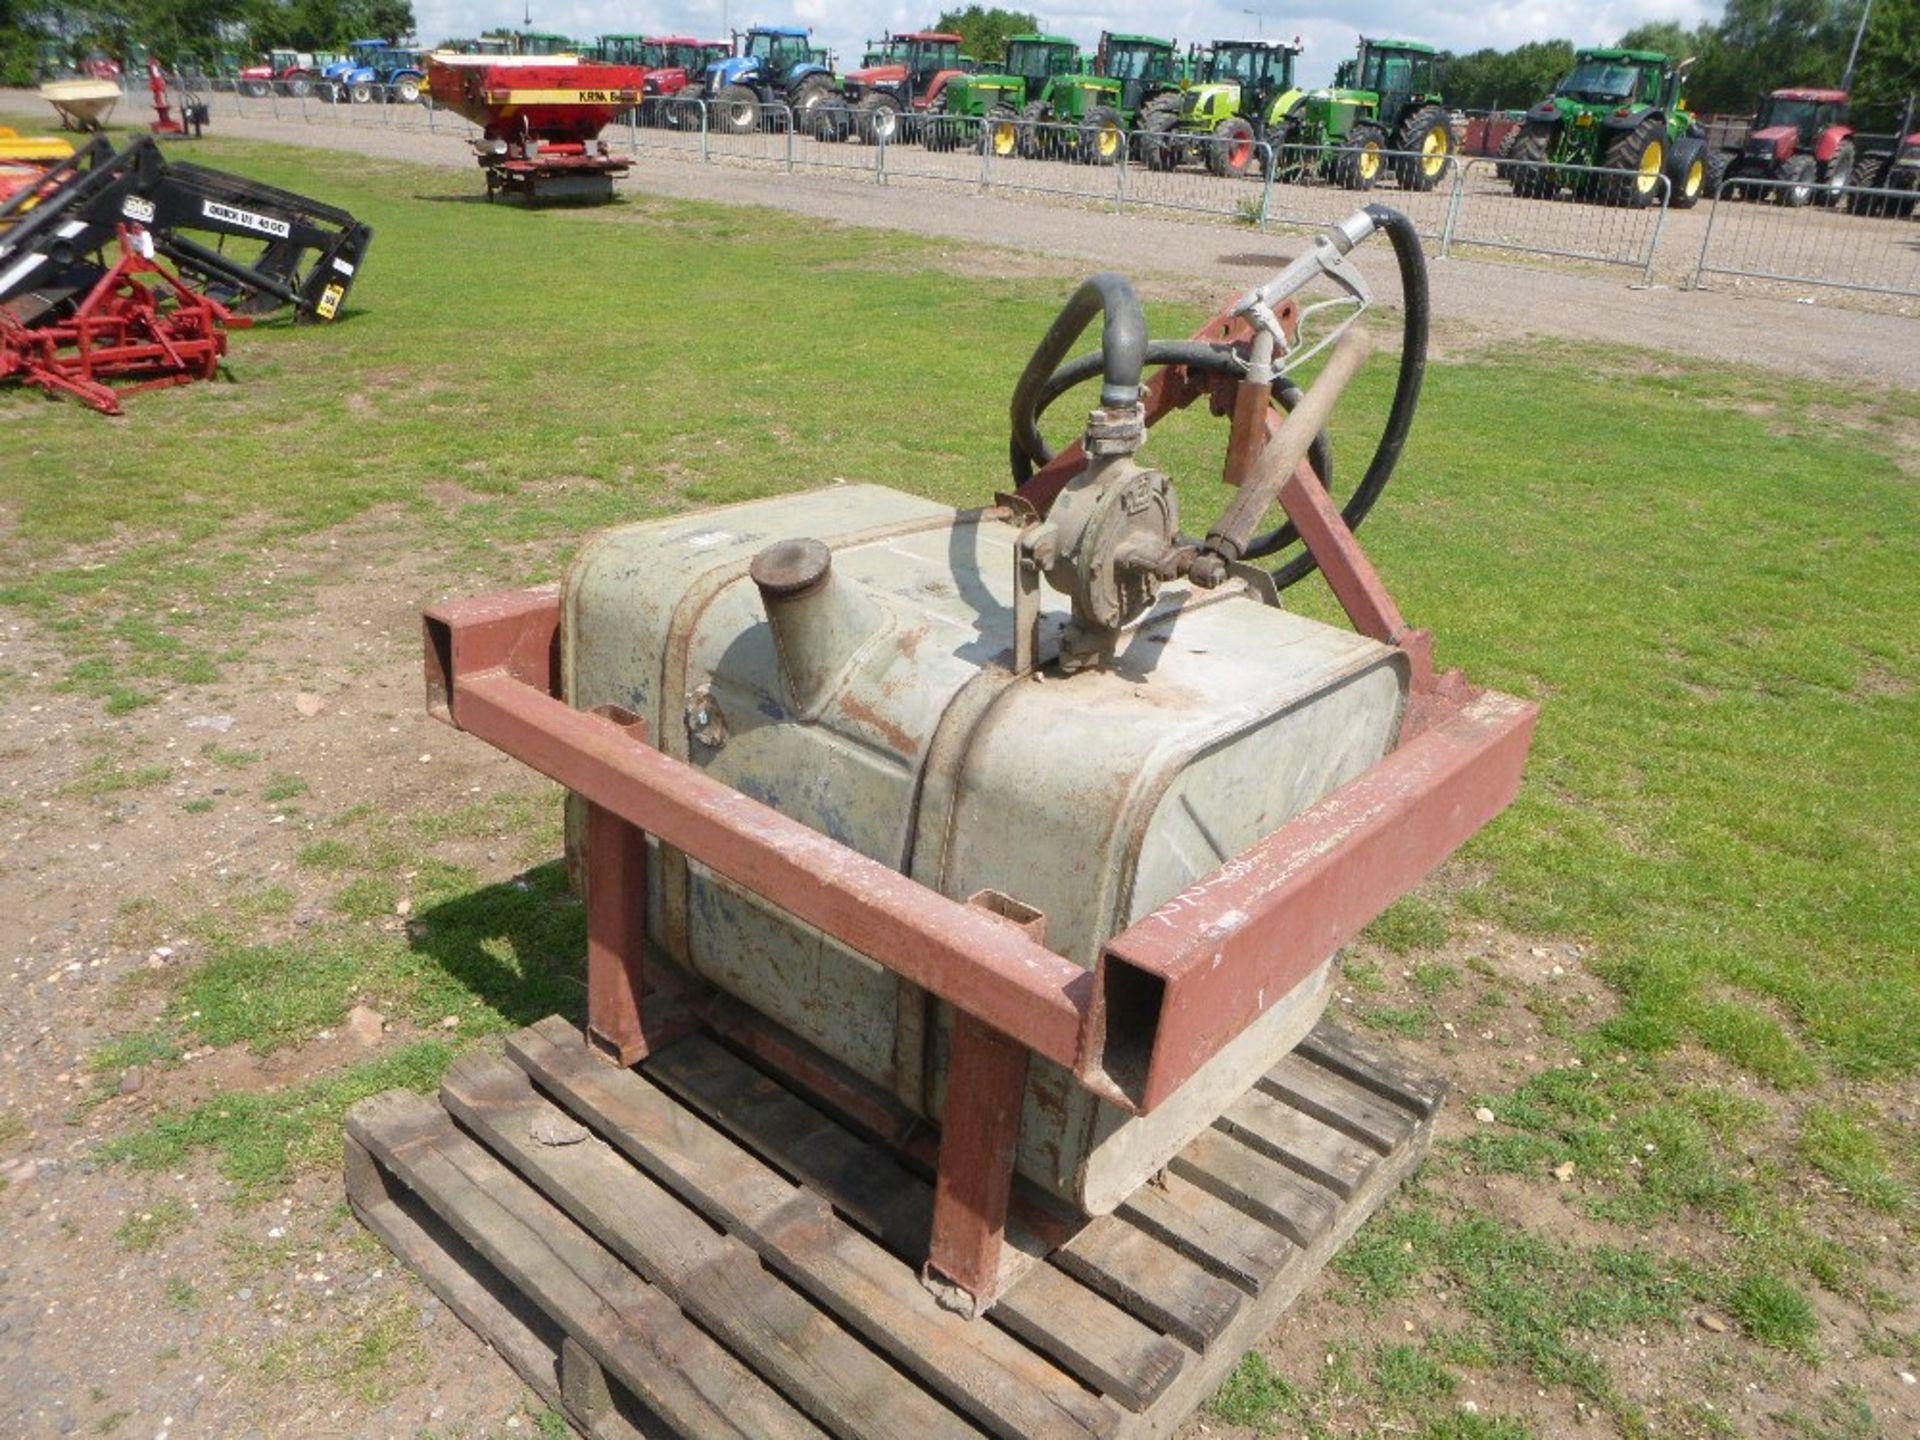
x=1128, y=73
x=1800, y=137
x=1241, y=92
x=375, y=70
x=1898, y=170
x=882, y=104
x=994, y=98
x=1386, y=98
x=771, y=65
x=1620, y=111
x=673, y=64
x=291, y=71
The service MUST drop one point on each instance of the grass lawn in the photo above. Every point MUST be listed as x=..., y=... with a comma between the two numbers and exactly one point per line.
x=1705, y=576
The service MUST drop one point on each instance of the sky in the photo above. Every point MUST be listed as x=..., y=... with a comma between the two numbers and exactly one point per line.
x=1328, y=29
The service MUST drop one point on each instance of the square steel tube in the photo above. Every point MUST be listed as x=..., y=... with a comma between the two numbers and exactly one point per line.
x=1181, y=982
x=1169, y=991
x=967, y=957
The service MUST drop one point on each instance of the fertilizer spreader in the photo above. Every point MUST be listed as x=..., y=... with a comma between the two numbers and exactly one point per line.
x=540, y=123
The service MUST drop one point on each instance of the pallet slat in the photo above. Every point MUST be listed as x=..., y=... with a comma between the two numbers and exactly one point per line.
x=1374, y=1067
x=845, y=1387
x=1095, y=1339
x=1304, y=1145
x=631, y=1330
x=994, y=1380
x=1347, y=1107
x=695, y=1249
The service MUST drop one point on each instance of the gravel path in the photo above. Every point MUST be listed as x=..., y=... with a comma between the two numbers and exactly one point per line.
x=1475, y=301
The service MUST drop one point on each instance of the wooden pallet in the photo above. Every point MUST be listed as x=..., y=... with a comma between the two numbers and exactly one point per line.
x=691, y=1248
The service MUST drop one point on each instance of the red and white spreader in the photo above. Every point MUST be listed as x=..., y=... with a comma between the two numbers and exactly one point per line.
x=540, y=120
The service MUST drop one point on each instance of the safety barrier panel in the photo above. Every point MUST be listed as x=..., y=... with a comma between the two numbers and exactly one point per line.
x=1577, y=212
x=1849, y=238
x=1485, y=206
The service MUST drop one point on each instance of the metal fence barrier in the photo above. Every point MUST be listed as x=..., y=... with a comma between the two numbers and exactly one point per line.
x=1576, y=212
x=1858, y=239
x=1852, y=238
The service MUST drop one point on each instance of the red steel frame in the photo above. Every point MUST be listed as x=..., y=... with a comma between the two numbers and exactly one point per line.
x=1166, y=994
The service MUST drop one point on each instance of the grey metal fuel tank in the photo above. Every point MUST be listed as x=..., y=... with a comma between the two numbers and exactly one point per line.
x=876, y=705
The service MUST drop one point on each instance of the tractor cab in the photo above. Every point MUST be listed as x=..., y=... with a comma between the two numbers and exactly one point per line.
x=1800, y=115
x=882, y=52
x=625, y=50
x=536, y=42
x=1403, y=73
x=1038, y=58
x=1259, y=70
x=927, y=60
x=1616, y=77
x=1143, y=64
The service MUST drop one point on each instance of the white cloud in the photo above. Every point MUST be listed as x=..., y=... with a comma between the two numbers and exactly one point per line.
x=1329, y=29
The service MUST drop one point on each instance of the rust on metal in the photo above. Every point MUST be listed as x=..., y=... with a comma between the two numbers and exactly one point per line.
x=1183, y=981
x=986, y=1083
x=1170, y=388
x=967, y=957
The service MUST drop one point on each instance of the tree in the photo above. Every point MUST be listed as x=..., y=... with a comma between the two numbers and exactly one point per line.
x=1889, y=68
x=983, y=33
x=1507, y=79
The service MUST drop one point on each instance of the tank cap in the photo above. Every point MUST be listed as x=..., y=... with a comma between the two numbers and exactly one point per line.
x=788, y=569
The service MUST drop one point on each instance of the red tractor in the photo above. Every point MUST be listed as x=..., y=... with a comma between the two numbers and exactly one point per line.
x=674, y=62
x=1800, y=137
x=884, y=103
x=290, y=72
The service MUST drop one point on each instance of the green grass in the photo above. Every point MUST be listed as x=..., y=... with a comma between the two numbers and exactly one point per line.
x=1705, y=579
x=146, y=1229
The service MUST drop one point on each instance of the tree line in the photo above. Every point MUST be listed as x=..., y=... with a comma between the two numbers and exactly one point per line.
x=179, y=30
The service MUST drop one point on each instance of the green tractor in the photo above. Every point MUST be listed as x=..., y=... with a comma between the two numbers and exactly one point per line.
x=1621, y=111
x=1129, y=73
x=995, y=98
x=1387, y=98
x=1240, y=93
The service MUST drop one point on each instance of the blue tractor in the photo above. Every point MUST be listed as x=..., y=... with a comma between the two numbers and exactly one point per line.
x=771, y=65
x=374, y=70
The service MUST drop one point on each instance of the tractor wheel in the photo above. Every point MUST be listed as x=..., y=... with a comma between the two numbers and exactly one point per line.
x=1037, y=141
x=876, y=119
x=1837, y=174
x=255, y=89
x=1502, y=151
x=407, y=90
x=1533, y=178
x=737, y=109
x=360, y=92
x=1691, y=183
x=1866, y=176
x=1640, y=156
x=1357, y=164
x=940, y=131
x=1000, y=132
x=1797, y=179
x=1230, y=151
x=299, y=86
x=1160, y=145
x=1715, y=183
x=807, y=98
x=1103, y=140
x=1427, y=136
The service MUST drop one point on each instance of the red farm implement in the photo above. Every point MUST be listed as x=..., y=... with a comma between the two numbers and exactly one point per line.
x=139, y=326
x=540, y=123
x=124, y=271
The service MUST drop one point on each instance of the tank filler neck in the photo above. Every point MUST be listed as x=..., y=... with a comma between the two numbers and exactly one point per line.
x=820, y=623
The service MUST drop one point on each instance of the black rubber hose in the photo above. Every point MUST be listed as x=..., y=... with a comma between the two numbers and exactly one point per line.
x=1123, y=350
x=1195, y=355
x=1031, y=397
